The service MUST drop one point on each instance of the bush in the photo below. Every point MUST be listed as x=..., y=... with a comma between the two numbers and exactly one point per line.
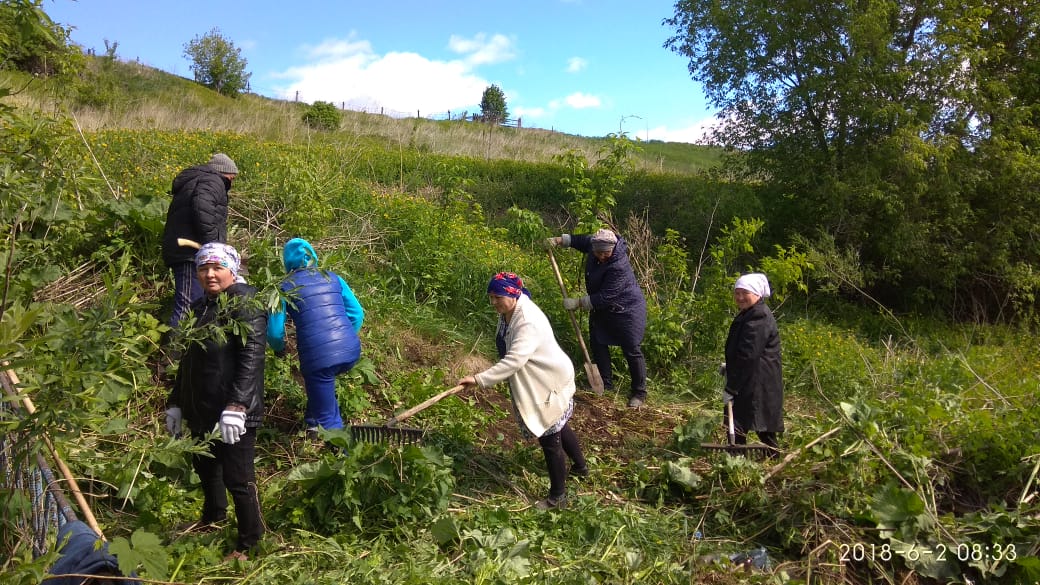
x=322, y=116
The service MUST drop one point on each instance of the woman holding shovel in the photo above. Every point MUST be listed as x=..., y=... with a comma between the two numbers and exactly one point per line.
x=616, y=305
x=541, y=381
x=754, y=380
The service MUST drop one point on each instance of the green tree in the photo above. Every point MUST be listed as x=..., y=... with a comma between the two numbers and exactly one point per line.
x=31, y=41
x=217, y=63
x=493, y=105
x=887, y=125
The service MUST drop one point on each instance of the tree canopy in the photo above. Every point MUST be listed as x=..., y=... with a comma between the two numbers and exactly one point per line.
x=902, y=132
x=217, y=63
x=493, y=105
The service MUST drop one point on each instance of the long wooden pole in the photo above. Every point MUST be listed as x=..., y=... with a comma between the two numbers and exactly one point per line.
x=422, y=405
x=88, y=515
x=591, y=371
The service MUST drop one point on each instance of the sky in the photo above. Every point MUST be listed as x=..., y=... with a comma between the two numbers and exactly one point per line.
x=585, y=67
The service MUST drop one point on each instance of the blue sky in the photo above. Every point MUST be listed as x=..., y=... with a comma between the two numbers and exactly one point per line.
x=587, y=67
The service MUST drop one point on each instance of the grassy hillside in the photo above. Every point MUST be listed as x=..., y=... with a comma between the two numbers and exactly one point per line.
x=903, y=435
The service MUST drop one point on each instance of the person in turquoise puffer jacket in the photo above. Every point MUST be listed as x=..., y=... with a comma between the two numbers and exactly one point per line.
x=328, y=318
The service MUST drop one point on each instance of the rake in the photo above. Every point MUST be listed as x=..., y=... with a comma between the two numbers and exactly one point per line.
x=754, y=450
x=392, y=433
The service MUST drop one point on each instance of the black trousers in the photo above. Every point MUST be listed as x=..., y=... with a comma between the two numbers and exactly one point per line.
x=636, y=366
x=231, y=469
x=557, y=447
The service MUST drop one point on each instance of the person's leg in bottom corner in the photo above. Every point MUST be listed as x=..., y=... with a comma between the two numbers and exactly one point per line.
x=322, y=404
x=240, y=478
x=556, y=462
x=572, y=447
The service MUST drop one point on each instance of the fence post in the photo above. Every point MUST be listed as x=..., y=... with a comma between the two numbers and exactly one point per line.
x=519, y=123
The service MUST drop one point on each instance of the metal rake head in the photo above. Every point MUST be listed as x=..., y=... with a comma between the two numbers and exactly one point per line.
x=756, y=451
x=385, y=434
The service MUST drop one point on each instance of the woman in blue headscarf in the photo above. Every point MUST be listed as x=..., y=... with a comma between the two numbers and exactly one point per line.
x=754, y=377
x=541, y=381
x=328, y=318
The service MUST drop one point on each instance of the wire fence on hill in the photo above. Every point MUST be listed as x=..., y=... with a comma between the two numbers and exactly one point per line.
x=448, y=115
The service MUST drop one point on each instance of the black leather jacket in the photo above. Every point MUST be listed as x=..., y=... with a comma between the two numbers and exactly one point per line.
x=215, y=372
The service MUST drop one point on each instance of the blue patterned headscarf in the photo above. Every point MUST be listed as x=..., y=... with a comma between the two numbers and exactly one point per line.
x=507, y=284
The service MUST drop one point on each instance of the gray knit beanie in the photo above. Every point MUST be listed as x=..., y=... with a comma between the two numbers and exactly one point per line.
x=223, y=164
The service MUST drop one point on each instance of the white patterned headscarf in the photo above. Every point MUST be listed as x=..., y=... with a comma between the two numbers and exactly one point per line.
x=754, y=282
x=223, y=254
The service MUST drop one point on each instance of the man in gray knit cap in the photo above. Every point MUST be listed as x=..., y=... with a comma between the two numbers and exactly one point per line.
x=197, y=216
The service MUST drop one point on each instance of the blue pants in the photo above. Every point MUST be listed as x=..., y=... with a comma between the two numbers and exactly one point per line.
x=322, y=405
x=186, y=290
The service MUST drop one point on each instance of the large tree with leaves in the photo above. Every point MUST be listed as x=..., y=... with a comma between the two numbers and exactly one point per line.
x=217, y=63
x=903, y=131
x=493, y=105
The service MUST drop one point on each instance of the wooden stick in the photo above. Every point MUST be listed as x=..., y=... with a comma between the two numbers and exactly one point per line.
x=88, y=515
x=591, y=370
x=188, y=243
x=790, y=456
x=426, y=403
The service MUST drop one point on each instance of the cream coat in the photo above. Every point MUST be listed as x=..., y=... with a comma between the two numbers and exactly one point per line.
x=540, y=374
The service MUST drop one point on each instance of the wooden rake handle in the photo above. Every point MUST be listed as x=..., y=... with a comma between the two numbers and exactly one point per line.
x=423, y=405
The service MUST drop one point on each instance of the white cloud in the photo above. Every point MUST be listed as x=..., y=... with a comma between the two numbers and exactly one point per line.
x=576, y=64
x=696, y=133
x=348, y=71
x=522, y=112
x=481, y=50
x=581, y=101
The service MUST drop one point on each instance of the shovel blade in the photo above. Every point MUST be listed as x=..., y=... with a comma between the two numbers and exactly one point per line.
x=595, y=380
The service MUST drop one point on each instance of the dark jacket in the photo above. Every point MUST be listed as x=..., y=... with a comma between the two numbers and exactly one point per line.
x=753, y=370
x=198, y=212
x=215, y=372
x=326, y=336
x=78, y=556
x=618, y=315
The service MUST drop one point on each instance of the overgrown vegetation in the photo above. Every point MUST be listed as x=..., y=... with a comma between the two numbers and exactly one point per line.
x=909, y=437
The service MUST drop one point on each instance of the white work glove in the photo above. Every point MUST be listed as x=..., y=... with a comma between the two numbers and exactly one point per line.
x=580, y=303
x=552, y=242
x=173, y=421
x=722, y=369
x=232, y=426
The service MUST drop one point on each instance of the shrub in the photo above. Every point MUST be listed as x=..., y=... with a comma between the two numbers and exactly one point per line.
x=322, y=116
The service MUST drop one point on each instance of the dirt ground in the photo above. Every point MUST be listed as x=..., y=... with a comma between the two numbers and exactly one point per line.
x=604, y=421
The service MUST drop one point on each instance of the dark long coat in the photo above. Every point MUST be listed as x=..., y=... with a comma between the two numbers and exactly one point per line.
x=753, y=370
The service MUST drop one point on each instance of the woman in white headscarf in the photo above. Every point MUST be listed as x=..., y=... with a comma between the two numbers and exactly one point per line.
x=754, y=380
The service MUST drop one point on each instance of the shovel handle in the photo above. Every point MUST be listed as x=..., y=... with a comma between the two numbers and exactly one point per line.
x=574, y=321
x=188, y=243
x=422, y=405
